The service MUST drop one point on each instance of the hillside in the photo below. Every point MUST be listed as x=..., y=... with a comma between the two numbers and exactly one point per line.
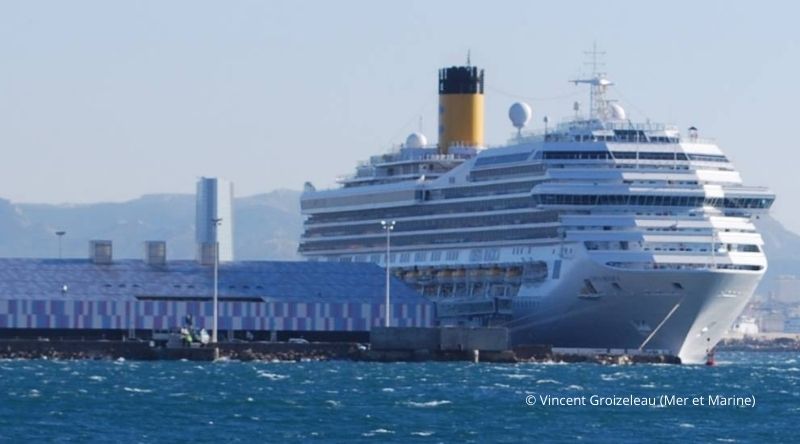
x=267, y=226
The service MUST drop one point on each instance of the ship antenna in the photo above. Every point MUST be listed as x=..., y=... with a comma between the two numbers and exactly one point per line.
x=596, y=99
x=594, y=63
x=598, y=83
x=469, y=63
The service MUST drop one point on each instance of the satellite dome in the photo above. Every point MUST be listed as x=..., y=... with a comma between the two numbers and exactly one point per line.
x=416, y=140
x=617, y=111
x=520, y=114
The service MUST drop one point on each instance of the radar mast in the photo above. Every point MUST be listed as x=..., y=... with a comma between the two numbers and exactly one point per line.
x=598, y=86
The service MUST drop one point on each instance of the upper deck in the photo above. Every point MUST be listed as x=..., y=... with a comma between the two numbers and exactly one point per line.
x=407, y=163
x=597, y=130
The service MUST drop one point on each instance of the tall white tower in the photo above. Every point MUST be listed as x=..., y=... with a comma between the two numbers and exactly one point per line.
x=214, y=202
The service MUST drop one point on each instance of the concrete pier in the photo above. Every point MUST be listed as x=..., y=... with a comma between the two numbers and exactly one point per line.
x=482, y=344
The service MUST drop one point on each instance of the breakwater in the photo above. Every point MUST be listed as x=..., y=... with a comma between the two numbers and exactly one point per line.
x=282, y=351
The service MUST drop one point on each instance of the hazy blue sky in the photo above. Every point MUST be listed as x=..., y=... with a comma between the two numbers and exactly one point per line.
x=110, y=100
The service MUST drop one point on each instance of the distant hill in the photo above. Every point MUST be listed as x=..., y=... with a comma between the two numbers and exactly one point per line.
x=267, y=226
x=782, y=248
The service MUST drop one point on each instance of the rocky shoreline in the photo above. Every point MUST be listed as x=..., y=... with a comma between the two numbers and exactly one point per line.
x=278, y=351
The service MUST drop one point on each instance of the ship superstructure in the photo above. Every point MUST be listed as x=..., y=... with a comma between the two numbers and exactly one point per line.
x=598, y=233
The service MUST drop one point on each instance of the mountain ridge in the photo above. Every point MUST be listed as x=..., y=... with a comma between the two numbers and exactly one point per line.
x=267, y=226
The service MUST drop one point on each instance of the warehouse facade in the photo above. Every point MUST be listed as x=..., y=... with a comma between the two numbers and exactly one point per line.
x=104, y=298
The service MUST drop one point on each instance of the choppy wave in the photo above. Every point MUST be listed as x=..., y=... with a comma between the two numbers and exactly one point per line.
x=423, y=433
x=272, y=376
x=547, y=381
x=335, y=401
x=427, y=404
x=377, y=432
x=137, y=390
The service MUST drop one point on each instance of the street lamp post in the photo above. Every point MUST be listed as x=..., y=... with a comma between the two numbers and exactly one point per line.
x=388, y=226
x=60, y=234
x=215, y=321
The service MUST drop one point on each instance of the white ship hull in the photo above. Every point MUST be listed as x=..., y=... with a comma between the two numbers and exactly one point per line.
x=633, y=310
x=678, y=312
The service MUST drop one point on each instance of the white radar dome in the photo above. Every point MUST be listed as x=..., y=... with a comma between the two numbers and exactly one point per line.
x=617, y=112
x=416, y=140
x=520, y=114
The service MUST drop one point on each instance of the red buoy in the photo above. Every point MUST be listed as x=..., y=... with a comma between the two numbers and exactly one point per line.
x=709, y=354
x=710, y=358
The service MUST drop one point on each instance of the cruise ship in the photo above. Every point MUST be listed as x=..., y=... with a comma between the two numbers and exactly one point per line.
x=597, y=233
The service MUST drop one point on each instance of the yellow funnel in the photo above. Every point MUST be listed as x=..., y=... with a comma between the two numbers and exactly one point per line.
x=460, y=107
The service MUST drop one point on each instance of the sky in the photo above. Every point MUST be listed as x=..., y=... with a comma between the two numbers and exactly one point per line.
x=110, y=100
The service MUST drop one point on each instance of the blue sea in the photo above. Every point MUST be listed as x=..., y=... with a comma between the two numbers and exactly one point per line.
x=338, y=401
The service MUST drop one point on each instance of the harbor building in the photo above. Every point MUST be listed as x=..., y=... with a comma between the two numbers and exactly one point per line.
x=99, y=297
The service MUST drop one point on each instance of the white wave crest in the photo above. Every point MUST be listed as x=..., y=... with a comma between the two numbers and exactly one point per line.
x=547, y=381
x=271, y=376
x=428, y=404
x=136, y=390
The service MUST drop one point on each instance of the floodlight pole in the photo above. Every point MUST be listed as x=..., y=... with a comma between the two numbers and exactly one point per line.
x=388, y=227
x=215, y=322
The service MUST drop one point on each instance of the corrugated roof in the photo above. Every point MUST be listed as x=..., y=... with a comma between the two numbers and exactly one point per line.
x=127, y=279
